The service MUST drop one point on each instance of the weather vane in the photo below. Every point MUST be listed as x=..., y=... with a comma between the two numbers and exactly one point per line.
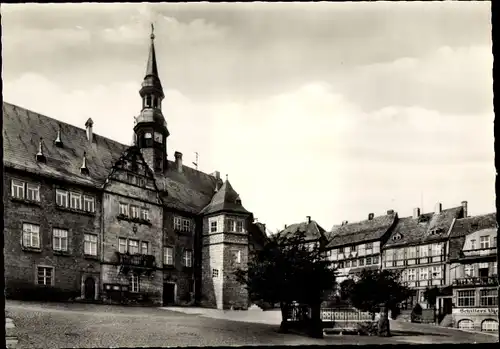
x=152, y=31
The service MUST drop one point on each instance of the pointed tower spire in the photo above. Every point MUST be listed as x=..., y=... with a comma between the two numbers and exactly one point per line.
x=152, y=68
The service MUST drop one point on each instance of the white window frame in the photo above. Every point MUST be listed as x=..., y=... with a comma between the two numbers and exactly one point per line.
x=473, y=244
x=484, y=242
x=60, y=239
x=489, y=325
x=368, y=261
x=231, y=225
x=423, y=274
x=186, y=225
x=134, y=211
x=469, y=295
x=168, y=255
x=237, y=256
x=177, y=223
x=34, y=188
x=31, y=235
x=135, y=282
x=122, y=245
x=423, y=251
x=88, y=203
x=44, y=276
x=188, y=258
x=144, y=247
x=78, y=199
x=214, y=226
x=488, y=297
x=412, y=275
x=62, y=194
x=123, y=209
x=16, y=187
x=354, y=263
x=145, y=214
x=90, y=244
x=239, y=226
x=412, y=252
x=436, y=270
x=133, y=245
x=215, y=273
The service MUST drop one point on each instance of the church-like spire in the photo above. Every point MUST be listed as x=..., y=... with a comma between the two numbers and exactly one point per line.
x=152, y=68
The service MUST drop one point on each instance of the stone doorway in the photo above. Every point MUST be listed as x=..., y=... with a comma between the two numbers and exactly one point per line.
x=169, y=289
x=89, y=288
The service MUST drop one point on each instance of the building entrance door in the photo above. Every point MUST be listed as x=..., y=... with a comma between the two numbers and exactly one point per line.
x=447, y=305
x=168, y=293
x=89, y=288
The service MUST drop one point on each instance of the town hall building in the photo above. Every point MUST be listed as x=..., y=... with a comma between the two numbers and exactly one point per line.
x=105, y=221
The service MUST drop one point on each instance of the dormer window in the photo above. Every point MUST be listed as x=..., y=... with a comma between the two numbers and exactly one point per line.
x=397, y=237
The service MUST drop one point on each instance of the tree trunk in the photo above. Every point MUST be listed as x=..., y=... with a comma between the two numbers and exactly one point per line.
x=284, y=317
x=383, y=322
x=316, y=324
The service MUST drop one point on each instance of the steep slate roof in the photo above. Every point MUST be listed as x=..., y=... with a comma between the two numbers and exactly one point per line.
x=225, y=199
x=313, y=231
x=465, y=226
x=257, y=232
x=367, y=230
x=189, y=191
x=415, y=231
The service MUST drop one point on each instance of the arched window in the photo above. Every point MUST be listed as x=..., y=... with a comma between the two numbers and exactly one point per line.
x=148, y=101
x=466, y=324
x=148, y=139
x=489, y=325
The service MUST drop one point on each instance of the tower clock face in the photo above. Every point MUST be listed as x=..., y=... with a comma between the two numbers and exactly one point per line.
x=147, y=135
x=158, y=137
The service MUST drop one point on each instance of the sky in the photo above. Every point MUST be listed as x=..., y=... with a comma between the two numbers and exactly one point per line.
x=328, y=110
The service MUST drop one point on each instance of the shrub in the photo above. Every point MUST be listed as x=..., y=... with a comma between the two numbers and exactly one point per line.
x=29, y=292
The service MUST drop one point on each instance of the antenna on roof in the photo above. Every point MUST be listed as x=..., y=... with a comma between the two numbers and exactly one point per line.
x=196, y=163
x=422, y=200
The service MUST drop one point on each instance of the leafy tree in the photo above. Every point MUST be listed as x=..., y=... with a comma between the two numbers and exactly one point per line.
x=431, y=294
x=376, y=291
x=288, y=270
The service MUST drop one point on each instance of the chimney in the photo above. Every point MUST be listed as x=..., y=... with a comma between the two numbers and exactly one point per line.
x=215, y=174
x=285, y=226
x=370, y=216
x=178, y=161
x=390, y=211
x=308, y=219
x=439, y=208
x=416, y=212
x=344, y=222
x=464, y=206
x=88, y=125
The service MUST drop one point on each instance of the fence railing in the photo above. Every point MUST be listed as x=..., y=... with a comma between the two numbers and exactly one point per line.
x=300, y=313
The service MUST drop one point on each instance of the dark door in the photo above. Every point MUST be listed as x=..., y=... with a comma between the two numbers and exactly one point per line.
x=89, y=288
x=447, y=305
x=168, y=294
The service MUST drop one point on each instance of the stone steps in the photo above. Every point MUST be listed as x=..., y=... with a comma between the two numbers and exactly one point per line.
x=10, y=333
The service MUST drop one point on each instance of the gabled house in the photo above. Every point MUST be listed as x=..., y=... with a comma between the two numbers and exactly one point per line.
x=314, y=234
x=473, y=272
x=353, y=247
x=106, y=221
x=417, y=247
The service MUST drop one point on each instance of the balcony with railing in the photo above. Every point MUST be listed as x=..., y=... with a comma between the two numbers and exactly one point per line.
x=136, y=262
x=476, y=281
x=481, y=252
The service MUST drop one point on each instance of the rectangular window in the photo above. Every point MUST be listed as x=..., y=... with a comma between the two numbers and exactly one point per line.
x=469, y=270
x=186, y=225
x=134, y=211
x=177, y=223
x=32, y=192
x=17, y=189
x=61, y=198
x=168, y=256
x=473, y=244
x=144, y=247
x=45, y=276
x=466, y=298
x=131, y=178
x=215, y=273
x=134, y=283
x=90, y=245
x=347, y=264
x=389, y=256
x=375, y=260
x=133, y=246
x=489, y=297
x=31, y=235
x=88, y=203
x=341, y=250
x=424, y=273
x=231, y=225
x=60, y=239
x=237, y=256
x=369, y=247
x=122, y=245
x=411, y=275
x=76, y=200
x=412, y=252
x=361, y=262
x=494, y=241
x=368, y=261
x=145, y=214
x=213, y=226
x=188, y=258
x=239, y=226
x=124, y=209
x=341, y=265
x=484, y=241
x=354, y=263
x=400, y=254
x=424, y=251
x=436, y=272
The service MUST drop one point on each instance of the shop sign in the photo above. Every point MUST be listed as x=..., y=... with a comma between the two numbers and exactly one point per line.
x=476, y=311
